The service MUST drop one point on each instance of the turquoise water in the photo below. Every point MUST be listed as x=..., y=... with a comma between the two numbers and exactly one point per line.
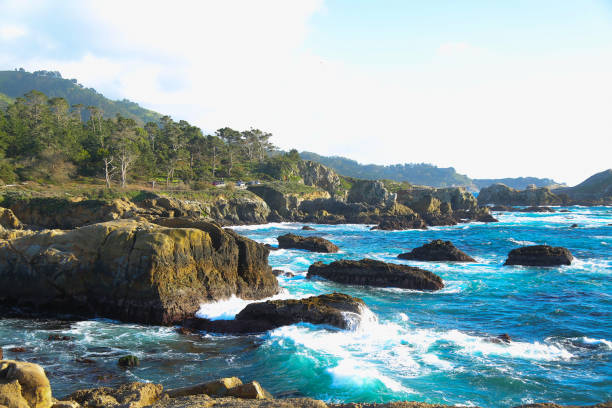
x=432, y=347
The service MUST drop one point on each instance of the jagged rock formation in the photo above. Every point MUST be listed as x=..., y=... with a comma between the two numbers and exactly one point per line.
x=372, y=192
x=539, y=255
x=315, y=174
x=370, y=272
x=330, y=309
x=315, y=244
x=437, y=250
x=133, y=270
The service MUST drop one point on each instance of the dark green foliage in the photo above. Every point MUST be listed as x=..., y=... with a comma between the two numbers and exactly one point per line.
x=420, y=174
x=16, y=83
x=45, y=140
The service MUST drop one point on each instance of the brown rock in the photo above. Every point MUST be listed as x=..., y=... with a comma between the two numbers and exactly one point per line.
x=217, y=388
x=252, y=390
x=315, y=244
x=376, y=273
x=132, y=395
x=33, y=382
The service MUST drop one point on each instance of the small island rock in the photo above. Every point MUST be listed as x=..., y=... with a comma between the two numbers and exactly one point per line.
x=437, y=250
x=314, y=244
x=539, y=255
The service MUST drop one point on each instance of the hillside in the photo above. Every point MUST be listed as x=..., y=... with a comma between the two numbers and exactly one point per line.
x=596, y=187
x=5, y=100
x=421, y=173
x=14, y=84
x=519, y=183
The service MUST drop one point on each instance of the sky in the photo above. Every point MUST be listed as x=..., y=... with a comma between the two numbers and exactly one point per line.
x=492, y=88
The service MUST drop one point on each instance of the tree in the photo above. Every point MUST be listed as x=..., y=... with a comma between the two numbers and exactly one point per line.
x=125, y=141
x=231, y=137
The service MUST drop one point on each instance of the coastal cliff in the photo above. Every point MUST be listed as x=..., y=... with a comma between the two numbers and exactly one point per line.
x=132, y=270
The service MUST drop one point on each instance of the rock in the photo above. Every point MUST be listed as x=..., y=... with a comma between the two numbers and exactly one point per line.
x=32, y=380
x=8, y=219
x=217, y=388
x=502, y=208
x=66, y=404
x=128, y=361
x=457, y=197
x=376, y=273
x=539, y=255
x=83, y=360
x=536, y=209
x=308, y=228
x=314, y=244
x=315, y=174
x=11, y=395
x=59, y=337
x=132, y=395
x=564, y=211
x=280, y=272
x=437, y=250
x=185, y=331
x=336, y=309
x=371, y=192
x=133, y=270
x=252, y=390
x=271, y=248
x=397, y=223
x=574, y=226
x=501, y=194
x=505, y=338
x=18, y=350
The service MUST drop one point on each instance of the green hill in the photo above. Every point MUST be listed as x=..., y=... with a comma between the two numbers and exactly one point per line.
x=414, y=173
x=5, y=101
x=14, y=84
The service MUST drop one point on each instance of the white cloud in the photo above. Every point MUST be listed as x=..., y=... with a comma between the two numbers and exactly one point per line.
x=243, y=64
x=11, y=32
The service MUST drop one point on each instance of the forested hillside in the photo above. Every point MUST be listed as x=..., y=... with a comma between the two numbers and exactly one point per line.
x=46, y=140
x=421, y=173
x=17, y=83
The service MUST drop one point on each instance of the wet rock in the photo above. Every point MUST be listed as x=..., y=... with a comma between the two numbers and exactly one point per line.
x=308, y=228
x=84, y=360
x=398, y=223
x=505, y=338
x=376, y=273
x=437, y=250
x=128, y=361
x=330, y=309
x=59, y=337
x=539, y=255
x=574, y=226
x=314, y=244
x=280, y=272
x=18, y=350
x=185, y=331
x=27, y=380
x=217, y=388
x=564, y=211
x=536, y=209
x=152, y=273
x=132, y=395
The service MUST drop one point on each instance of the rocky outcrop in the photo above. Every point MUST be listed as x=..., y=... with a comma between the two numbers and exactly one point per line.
x=370, y=272
x=595, y=190
x=131, y=395
x=396, y=223
x=372, y=192
x=539, y=255
x=315, y=174
x=501, y=194
x=458, y=197
x=8, y=219
x=284, y=206
x=336, y=309
x=437, y=250
x=24, y=385
x=133, y=270
x=314, y=244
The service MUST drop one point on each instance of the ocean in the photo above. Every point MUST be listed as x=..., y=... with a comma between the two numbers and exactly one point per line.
x=412, y=345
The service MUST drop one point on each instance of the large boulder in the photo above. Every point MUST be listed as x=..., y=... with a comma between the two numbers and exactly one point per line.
x=21, y=381
x=8, y=219
x=131, y=395
x=539, y=255
x=133, y=271
x=314, y=244
x=437, y=250
x=336, y=309
x=371, y=192
x=376, y=273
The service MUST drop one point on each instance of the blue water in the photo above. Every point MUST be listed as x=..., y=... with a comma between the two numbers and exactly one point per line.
x=423, y=346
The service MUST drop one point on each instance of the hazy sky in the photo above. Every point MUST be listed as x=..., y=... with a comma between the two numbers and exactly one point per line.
x=492, y=88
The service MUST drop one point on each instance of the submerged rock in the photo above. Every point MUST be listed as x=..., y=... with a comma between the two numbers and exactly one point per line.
x=376, y=273
x=539, y=255
x=335, y=309
x=315, y=244
x=536, y=209
x=437, y=250
x=133, y=270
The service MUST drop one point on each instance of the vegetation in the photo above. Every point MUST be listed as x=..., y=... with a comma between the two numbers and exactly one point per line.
x=46, y=140
x=421, y=174
x=16, y=83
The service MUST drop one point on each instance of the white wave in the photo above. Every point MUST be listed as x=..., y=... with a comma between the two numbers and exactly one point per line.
x=588, y=340
x=432, y=359
x=351, y=372
x=521, y=242
x=228, y=309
